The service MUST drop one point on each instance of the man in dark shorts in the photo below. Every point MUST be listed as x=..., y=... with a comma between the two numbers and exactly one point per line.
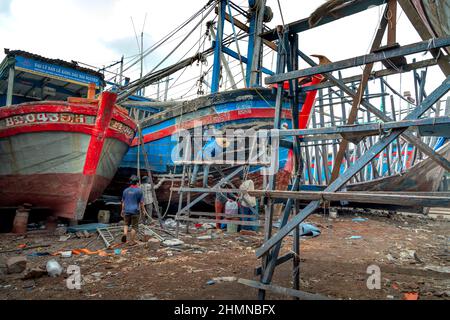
x=132, y=201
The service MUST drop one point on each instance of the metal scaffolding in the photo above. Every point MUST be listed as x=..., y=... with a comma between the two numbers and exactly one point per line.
x=399, y=130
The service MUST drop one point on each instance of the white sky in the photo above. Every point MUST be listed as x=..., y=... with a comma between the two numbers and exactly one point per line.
x=98, y=32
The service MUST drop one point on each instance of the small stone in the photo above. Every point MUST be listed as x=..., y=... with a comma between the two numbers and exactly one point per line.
x=390, y=257
x=29, y=284
x=153, y=259
x=148, y=296
x=16, y=264
x=34, y=273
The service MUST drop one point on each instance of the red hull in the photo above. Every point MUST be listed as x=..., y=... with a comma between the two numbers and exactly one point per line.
x=58, y=192
x=61, y=155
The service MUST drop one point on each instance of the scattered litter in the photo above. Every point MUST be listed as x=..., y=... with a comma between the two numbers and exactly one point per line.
x=66, y=254
x=54, y=269
x=210, y=282
x=407, y=254
x=170, y=223
x=60, y=231
x=173, y=242
x=64, y=238
x=26, y=248
x=148, y=296
x=411, y=296
x=38, y=254
x=306, y=229
x=390, y=258
x=248, y=233
x=83, y=234
x=390, y=297
x=438, y=268
x=225, y=279
x=148, y=233
x=209, y=237
x=354, y=237
x=153, y=259
x=117, y=252
x=359, y=219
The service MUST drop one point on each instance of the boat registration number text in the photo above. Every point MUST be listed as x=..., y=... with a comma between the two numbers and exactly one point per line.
x=45, y=117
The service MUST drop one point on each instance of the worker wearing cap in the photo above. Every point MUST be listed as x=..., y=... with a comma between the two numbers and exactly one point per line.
x=247, y=204
x=132, y=201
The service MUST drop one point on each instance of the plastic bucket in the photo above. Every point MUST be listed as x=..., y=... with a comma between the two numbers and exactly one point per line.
x=232, y=228
x=103, y=216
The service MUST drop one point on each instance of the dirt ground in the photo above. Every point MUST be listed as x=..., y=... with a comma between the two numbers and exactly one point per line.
x=412, y=253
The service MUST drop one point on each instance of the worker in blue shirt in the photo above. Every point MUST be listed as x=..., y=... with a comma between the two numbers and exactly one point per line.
x=132, y=201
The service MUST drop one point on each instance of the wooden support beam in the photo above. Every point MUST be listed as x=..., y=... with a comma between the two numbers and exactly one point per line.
x=431, y=126
x=392, y=22
x=378, y=74
x=280, y=260
x=381, y=115
x=344, y=11
x=362, y=60
x=221, y=221
x=355, y=168
x=433, y=199
x=359, y=93
x=280, y=290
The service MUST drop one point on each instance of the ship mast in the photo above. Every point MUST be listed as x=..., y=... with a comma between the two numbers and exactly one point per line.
x=253, y=77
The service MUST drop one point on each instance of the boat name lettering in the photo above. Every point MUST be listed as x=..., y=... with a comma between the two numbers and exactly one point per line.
x=122, y=128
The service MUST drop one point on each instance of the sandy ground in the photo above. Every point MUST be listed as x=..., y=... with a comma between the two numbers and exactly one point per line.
x=412, y=253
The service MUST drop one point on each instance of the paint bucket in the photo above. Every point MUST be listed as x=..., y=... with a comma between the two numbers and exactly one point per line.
x=20, y=221
x=103, y=216
x=231, y=227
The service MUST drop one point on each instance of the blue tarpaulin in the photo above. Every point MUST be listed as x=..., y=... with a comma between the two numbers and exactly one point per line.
x=306, y=229
x=90, y=227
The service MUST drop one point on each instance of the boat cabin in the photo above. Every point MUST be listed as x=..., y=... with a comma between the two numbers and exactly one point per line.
x=27, y=77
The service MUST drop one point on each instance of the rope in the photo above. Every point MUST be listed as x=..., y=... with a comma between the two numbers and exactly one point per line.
x=236, y=40
x=281, y=13
x=169, y=35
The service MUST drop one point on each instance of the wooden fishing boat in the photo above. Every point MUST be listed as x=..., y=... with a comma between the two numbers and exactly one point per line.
x=234, y=109
x=61, y=155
